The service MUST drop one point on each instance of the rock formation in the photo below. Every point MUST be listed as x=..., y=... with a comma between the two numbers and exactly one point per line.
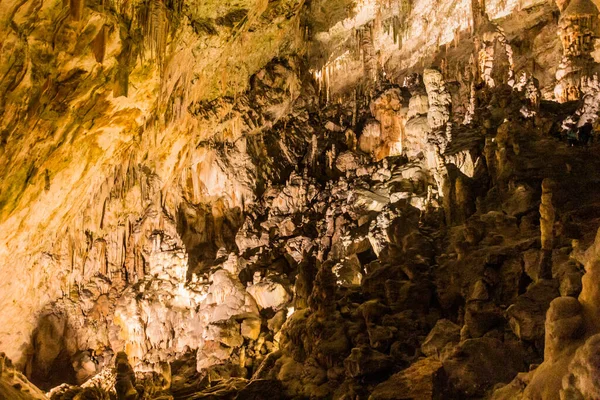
x=284, y=199
x=578, y=28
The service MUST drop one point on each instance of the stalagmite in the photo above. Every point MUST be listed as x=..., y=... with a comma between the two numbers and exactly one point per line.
x=564, y=325
x=547, y=218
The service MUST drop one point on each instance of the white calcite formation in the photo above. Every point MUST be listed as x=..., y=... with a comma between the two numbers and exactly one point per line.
x=490, y=62
x=417, y=126
x=389, y=111
x=269, y=294
x=578, y=28
x=164, y=315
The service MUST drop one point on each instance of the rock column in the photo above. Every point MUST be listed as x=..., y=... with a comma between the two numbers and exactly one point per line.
x=547, y=217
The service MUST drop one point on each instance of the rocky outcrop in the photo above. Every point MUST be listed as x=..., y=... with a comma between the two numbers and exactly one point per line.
x=14, y=385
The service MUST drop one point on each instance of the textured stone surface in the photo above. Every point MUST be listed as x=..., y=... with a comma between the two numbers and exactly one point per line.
x=286, y=199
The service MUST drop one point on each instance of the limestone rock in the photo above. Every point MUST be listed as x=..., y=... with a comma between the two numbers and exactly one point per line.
x=125, y=381
x=472, y=368
x=363, y=362
x=527, y=316
x=444, y=334
x=266, y=199
x=422, y=380
x=269, y=294
x=251, y=328
x=564, y=325
x=14, y=385
x=347, y=161
x=582, y=380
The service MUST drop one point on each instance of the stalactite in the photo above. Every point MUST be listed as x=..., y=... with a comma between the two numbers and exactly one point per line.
x=76, y=9
x=358, y=36
x=478, y=13
x=368, y=53
x=155, y=28
x=71, y=252
x=313, y=152
x=329, y=78
x=104, y=258
x=377, y=24
x=121, y=80
x=99, y=44
x=355, y=107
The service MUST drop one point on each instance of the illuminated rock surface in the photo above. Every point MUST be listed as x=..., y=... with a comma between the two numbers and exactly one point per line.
x=345, y=199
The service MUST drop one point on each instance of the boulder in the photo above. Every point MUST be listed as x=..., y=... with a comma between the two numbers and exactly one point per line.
x=366, y=200
x=513, y=390
x=260, y=389
x=250, y=328
x=211, y=353
x=349, y=271
x=380, y=337
x=224, y=332
x=473, y=367
x=274, y=324
x=403, y=295
x=423, y=380
x=443, y=336
x=570, y=284
x=347, y=161
x=269, y=294
x=14, y=385
x=527, y=315
x=298, y=248
x=481, y=317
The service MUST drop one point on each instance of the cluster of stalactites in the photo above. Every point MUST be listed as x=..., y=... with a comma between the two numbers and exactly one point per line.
x=367, y=51
x=326, y=75
x=487, y=56
x=577, y=35
x=340, y=66
x=578, y=28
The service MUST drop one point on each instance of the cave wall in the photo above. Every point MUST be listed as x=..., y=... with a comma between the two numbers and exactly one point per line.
x=100, y=111
x=116, y=116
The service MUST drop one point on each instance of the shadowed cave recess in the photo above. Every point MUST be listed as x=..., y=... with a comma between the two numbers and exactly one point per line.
x=299, y=199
